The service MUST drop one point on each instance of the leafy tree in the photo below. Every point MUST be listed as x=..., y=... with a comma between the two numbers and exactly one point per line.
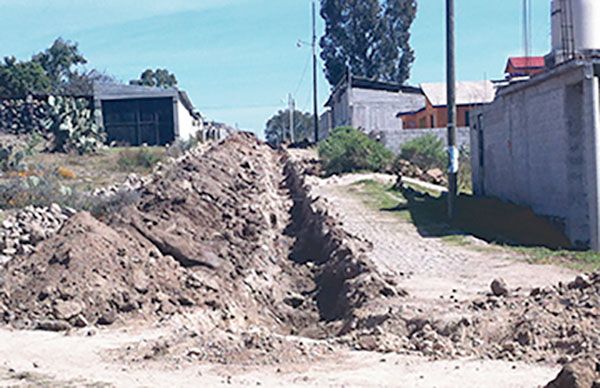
x=59, y=62
x=348, y=149
x=277, y=129
x=18, y=79
x=81, y=83
x=369, y=37
x=160, y=78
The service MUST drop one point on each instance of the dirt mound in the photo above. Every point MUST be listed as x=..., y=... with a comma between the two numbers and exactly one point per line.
x=555, y=324
x=230, y=232
x=90, y=274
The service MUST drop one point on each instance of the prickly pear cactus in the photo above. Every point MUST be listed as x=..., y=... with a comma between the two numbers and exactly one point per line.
x=74, y=126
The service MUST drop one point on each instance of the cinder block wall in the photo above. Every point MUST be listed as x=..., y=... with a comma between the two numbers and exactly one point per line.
x=534, y=146
x=394, y=140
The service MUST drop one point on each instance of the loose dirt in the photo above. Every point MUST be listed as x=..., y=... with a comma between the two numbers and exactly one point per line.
x=234, y=256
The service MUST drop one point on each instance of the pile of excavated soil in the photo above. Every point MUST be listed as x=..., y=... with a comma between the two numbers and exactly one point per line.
x=556, y=325
x=90, y=274
x=230, y=232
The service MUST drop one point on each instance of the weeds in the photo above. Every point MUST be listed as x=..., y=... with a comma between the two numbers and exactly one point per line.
x=138, y=159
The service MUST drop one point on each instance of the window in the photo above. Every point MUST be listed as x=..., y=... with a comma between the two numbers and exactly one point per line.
x=432, y=118
x=467, y=119
x=422, y=123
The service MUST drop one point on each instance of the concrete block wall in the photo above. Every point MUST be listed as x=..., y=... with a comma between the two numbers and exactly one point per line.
x=532, y=147
x=394, y=140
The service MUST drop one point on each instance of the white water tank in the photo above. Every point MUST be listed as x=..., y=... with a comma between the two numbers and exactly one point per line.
x=586, y=24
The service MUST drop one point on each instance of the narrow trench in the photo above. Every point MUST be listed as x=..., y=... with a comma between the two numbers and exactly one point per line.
x=313, y=245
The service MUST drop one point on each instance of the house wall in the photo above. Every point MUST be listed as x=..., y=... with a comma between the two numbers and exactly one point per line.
x=186, y=123
x=376, y=110
x=536, y=145
x=437, y=117
x=394, y=140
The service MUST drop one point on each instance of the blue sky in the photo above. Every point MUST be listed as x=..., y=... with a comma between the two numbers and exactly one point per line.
x=238, y=59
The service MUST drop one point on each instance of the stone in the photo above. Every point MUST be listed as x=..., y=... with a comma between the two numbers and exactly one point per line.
x=52, y=325
x=578, y=374
x=67, y=309
x=80, y=321
x=499, y=287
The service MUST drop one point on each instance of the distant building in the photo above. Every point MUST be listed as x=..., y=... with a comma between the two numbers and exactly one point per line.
x=370, y=105
x=434, y=114
x=136, y=115
x=517, y=67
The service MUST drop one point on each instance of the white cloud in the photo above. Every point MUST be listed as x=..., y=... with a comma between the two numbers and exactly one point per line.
x=87, y=14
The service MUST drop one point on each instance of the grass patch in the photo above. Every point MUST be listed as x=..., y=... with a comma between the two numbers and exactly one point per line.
x=505, y=227
x=139, y=159
x=381, y=197
x=577, y=260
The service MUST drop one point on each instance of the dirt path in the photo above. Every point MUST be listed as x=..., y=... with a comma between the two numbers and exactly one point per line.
x=55, y=360
x=432, y=268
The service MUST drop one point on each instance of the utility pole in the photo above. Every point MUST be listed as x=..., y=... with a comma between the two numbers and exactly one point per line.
x=291, y=108
x=314, y=53
x=451, y=97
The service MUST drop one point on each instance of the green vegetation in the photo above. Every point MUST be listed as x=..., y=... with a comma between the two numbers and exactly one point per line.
x=159, y=78
x=504, y=227
x=348, y=150
x=73, y=126
x=371, y=37
x=139, y=159
x=427, y=152
x=277, y=129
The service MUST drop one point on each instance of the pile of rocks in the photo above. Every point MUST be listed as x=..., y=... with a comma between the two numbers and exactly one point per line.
x=404, y=168
x=20, y=232
x=133, y=182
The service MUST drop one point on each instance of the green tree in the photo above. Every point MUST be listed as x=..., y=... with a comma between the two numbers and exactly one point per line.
x=18, y=79
x=60, y=62
x=277, y=129
x=370, y=37
x=160, y=78
x=348, y=149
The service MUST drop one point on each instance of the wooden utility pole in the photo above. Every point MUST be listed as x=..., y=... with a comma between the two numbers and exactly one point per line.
x=292, y=108
x=451, y=100
x=315, y=86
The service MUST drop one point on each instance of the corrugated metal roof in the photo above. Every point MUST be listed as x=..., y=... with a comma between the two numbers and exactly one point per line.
x=105, y=91
x=467, y=92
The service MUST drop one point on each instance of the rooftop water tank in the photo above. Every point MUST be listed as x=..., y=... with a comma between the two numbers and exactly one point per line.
x=586, y=24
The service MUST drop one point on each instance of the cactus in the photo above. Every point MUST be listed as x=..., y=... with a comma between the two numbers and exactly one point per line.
x=11, y=159
x=73, y=125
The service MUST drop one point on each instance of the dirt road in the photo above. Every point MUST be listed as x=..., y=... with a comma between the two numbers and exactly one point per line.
x=55, y=360
x=432, y=268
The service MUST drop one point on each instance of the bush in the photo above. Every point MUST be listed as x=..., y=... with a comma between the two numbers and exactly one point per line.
x=348, y=149
x=427, y=152
x=139, y=158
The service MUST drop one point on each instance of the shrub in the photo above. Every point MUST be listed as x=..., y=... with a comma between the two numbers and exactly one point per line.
x=65, y=173
x=348, y=149
x=427, y=152
x=180, y=147
x=139, y=158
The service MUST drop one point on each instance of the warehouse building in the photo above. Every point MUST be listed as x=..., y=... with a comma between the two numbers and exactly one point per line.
x=135, y=115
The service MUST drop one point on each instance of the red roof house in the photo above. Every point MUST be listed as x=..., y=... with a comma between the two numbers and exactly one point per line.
x=524, y=66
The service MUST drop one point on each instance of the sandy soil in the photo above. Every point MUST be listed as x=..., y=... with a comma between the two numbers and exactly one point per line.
x=39, y=358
